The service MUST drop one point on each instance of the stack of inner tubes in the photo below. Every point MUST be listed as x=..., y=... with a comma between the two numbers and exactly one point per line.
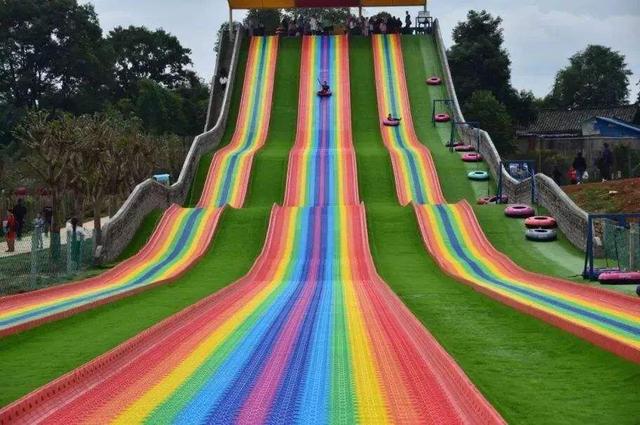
x=541, y=222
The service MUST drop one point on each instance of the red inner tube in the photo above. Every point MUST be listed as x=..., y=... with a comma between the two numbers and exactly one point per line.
x=434, y=81
x=485, y=200
x=442, y=117
x=471, y=157
x=519, y=210
x=630, y=278
x=541, y=221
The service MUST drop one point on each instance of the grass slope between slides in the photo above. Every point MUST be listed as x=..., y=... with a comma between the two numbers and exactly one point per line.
x=558, y=258
x=35, y=357
x=530, y=371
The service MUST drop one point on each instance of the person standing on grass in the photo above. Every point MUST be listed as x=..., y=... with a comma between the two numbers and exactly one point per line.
x=20, y=212
x=580, y=165
x=11, y=227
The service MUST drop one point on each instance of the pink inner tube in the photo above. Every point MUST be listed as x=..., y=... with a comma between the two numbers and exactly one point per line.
x=324, y=94
x=434, y=81
x=472, y=157
x=619, y=278
x=442, y=117
x=541, y=222
x=519, y=210
x=464, y=148
x=390, y=123
x=454, y=144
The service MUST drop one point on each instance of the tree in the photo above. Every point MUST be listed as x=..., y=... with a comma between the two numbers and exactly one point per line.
x=596, y=76
x=333, y=15
x=477, y=59
x=143, y=54
x=522, y=106
x=49, y=51
x=48, y=148
x=493, y=117
x=270, y=18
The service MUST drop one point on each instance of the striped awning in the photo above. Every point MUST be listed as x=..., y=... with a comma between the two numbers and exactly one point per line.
x=287, y=4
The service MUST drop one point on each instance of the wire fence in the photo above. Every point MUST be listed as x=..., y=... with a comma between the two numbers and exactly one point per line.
x=40, y=260
x=621, y=244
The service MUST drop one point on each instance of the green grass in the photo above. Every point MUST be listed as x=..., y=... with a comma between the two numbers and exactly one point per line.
x=530, y=371
x=203, y=165
x=35, y=357
x=269, y=172
x=141, y=237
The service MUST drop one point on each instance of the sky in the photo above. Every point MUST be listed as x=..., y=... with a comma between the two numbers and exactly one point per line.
x=539, y=35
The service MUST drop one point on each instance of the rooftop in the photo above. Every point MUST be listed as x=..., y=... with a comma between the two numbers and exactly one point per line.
x=568, y=122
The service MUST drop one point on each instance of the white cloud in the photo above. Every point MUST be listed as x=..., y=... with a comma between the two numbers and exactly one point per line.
x=540, y=35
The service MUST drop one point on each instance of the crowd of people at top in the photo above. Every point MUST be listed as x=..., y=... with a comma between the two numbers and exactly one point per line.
x=298, y=26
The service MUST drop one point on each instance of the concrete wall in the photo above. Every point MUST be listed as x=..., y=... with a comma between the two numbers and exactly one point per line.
x=572, y=220
x=150, y=195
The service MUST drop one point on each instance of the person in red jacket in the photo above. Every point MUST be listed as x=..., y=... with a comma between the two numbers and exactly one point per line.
x=11, y=229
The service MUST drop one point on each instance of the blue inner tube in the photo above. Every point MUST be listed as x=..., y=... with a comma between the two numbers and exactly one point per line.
x=478, y=175
x=541, y=234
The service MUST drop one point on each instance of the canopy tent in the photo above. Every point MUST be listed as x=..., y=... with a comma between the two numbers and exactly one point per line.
x=286, y=4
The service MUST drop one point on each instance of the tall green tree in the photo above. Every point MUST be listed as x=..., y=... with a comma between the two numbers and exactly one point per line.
x=50, y=52
x=596, y=76
x=479, y=61
x=141, y=54
x=482, y=106
x=270, y=18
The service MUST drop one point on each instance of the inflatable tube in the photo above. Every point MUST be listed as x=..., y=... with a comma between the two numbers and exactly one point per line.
x=464, y=148
x=478, y=175
x=519, y=211
x=324, y=94
x=442, y=117
x=472, y=157
x=541, y=235
x=454, y=144
x=619, y=278
x=391, y=123
x=434, y=81
x=485, y=200
x=541, y=222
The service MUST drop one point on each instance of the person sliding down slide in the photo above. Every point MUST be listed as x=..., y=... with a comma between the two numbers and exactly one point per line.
x=391, y=121
x=325, y=91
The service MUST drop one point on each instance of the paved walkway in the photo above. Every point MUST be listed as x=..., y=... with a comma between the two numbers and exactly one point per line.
x=23, y=246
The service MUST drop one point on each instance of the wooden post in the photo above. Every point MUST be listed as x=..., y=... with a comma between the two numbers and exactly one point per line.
x=359, y=11
x=230, y=22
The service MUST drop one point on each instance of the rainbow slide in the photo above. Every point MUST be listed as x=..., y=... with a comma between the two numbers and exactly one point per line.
x=183, y=234
x=455, y=239
x=310, y=335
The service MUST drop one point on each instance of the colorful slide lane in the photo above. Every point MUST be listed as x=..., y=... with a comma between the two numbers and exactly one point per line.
x=455, y=239
x=415, y=174
x=310, y=335
x=183, y=234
